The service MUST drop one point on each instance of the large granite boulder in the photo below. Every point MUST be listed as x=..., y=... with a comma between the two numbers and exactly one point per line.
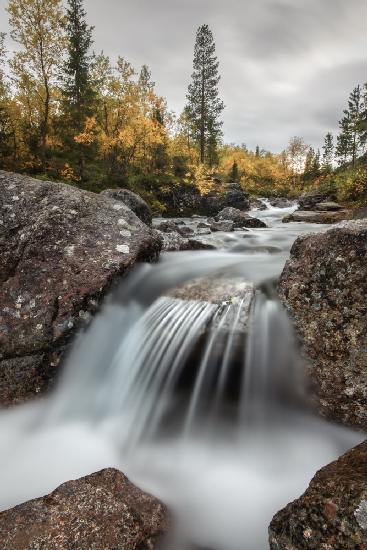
x=103, y=511
x=239, y=218
x=60, y=250
x=324, y=287
x=133, y=201
x=332, y=513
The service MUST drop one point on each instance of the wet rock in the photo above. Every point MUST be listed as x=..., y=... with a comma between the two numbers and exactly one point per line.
x=359, y=213
x=61, y=250
x=324, y=287
x=168, y=226
x=257, y=204
x=332, y=513
x=215, y=290
x=239, y=219
x=310, y=216
x=173, y=241
x=222, y=225
x=203, y=225
x=132, y=201
x=185, y=231
x=308, y=201
x=103, y=511
x=328, y=206
x=231, y=196
x=201, y=243
x=280, y=202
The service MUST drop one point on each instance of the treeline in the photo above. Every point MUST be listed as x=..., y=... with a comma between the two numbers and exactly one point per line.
x=68, y=113
x=71, y=114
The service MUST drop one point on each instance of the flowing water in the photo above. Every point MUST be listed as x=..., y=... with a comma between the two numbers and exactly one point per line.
x=197, y=394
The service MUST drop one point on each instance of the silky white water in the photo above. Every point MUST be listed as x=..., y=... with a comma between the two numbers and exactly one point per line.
x=202, y=404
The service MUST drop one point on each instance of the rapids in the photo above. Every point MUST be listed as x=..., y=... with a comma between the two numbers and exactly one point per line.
x=202, y=403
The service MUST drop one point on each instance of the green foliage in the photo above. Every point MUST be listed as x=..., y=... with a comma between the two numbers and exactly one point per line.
x=351, y=186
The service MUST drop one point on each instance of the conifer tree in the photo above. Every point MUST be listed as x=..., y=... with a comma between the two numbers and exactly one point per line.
x=328, y=153
x=78, y=90
x=350, y=138
x=204, y=105
x=234, y=175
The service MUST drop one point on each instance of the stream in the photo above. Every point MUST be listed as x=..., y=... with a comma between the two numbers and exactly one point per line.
x=200, y=401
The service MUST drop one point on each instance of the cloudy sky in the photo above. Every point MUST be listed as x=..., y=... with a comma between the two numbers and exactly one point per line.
x=287, y=66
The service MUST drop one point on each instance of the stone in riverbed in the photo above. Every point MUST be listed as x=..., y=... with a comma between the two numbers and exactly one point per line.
x=310, y=216
x=222, y=225
x=332, y=513
x=324, y=287
x=60, y=250
x=309, y=200
x=102, y=511
x=132, y=201
x=239, y=218
x=328, y=206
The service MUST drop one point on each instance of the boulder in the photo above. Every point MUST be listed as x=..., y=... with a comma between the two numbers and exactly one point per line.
x=257, y=204
x=172, y=241
x=239, y=218
x=185, y=230
x=280, y=202
x=132, y=201
x=102, y=511
x=201, y=243
x=310, y=216
x=222, y=225
x=167, y=226
x=308, y=201
x=61, y=250
x=328, y=206
x=332, y=513
x=324, y=287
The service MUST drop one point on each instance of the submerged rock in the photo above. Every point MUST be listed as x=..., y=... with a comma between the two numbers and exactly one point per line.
x=280, y=202
x=239, y=218
x=222, y=225
x=324, y=287
x=60, y=250
x=332, y=513
x=102, y=511
x=132, y=201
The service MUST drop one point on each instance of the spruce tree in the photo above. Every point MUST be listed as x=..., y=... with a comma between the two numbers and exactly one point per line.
x=350, y=139
x=328, y=153
x=78, y=91
x=234, y=174
x=204, y=105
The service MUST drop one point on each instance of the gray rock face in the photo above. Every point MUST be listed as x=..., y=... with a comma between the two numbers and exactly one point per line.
x=311, y=216
x=172, y=241
x=279, y=202
x=324, y=287
x=332, y=513
x=222, y=225
x=132, y=201
x=239, y=218
x=103, y=511
x=61, y=249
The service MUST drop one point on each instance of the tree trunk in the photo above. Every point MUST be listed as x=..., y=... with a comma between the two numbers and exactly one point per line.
x=202, y=119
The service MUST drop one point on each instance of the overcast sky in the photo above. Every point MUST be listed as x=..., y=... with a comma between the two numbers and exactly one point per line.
x=287, y=66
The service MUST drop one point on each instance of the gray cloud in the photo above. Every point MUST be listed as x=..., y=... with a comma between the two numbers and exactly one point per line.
x=287, y=65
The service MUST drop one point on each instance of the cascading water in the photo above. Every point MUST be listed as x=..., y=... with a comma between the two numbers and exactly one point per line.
x=197, y=394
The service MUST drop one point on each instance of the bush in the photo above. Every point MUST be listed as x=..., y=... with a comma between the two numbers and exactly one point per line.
x=351, y=186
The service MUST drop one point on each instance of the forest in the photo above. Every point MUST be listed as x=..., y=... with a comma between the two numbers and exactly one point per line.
x=70, y=114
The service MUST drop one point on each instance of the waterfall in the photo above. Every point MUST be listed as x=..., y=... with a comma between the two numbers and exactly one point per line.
x=196, y=393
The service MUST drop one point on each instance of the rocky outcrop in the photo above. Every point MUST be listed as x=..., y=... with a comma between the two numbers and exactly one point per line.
x=332, y=513
x=324, y=287
x=132, y=201
x=308, y=201
x=240, y=219
x=315, y=216
x=61, y=249
x=103, y=511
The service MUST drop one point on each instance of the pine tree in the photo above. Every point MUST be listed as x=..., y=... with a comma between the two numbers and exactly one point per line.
x=309, y=164
x=204, y=105
x=78, y=90
x=328, y=153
